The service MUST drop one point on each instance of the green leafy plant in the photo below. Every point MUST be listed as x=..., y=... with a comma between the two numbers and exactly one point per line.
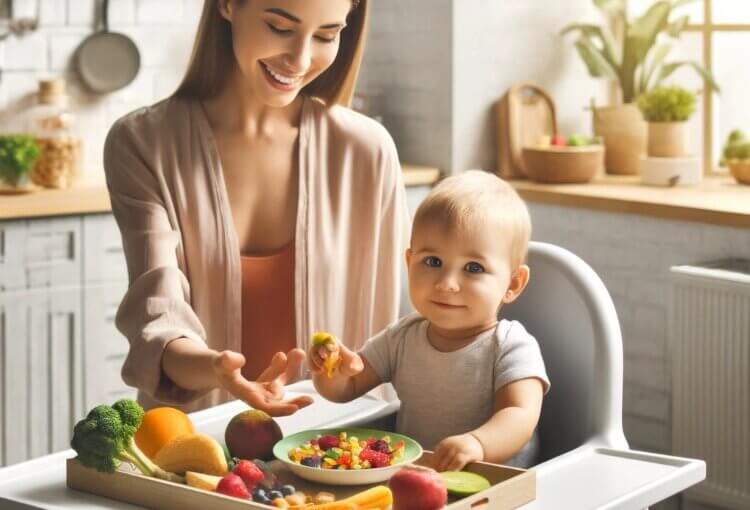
x=17, y=156
x=636, y=59
x=737, y=146
x=667, y=104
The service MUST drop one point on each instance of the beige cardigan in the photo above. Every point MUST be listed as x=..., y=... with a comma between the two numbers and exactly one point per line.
x=169, y=199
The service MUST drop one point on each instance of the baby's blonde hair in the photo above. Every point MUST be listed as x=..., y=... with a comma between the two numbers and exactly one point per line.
x=476, y=199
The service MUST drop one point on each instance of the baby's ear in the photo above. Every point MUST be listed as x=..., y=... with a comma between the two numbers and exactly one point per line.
x=518, y=281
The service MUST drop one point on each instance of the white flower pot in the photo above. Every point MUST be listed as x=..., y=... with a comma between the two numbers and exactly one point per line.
x=684, y=171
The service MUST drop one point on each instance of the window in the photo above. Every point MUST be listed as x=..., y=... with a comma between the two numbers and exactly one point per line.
x=718, y=36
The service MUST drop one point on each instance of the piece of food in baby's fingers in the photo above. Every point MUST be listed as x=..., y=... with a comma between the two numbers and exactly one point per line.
x=327, y=340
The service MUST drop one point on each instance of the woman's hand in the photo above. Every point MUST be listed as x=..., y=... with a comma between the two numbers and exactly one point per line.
x=267, y=392
x=454, y=452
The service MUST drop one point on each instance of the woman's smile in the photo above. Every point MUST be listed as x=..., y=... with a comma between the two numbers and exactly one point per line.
x=278, y=80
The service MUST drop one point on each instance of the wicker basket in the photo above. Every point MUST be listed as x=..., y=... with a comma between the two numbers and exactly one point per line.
x=563, y=164
x=740, y=170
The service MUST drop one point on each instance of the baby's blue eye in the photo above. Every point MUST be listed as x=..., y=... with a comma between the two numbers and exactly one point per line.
x=432, y=261
x=474, y=267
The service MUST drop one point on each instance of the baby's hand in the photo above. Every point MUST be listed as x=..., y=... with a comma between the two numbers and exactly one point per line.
x=326, y=353
x=454, y=452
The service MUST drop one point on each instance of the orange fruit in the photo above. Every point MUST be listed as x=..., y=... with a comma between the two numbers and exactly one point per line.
x=160, y=426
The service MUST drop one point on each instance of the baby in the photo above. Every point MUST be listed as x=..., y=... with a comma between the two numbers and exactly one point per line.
x=470, y=386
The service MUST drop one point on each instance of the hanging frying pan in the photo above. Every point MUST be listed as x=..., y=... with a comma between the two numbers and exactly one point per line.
x=107, y=61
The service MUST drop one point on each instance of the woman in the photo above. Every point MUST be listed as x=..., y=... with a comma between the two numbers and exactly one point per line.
x=254, y=209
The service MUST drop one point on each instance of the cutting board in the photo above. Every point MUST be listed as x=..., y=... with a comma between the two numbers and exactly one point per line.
x=525, y=114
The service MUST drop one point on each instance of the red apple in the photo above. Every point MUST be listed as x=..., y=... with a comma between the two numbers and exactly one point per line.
x=558, y=141
x=417, y=488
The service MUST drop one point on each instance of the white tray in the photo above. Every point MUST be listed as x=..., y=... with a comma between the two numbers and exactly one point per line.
x=606, y=479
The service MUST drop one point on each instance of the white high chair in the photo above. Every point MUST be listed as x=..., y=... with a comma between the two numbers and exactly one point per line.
x=585, y=460
x=569, y=311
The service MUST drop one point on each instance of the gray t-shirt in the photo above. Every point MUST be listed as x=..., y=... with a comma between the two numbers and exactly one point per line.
x=448, y=393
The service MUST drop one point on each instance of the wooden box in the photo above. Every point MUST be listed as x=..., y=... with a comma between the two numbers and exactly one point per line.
x=511, y=488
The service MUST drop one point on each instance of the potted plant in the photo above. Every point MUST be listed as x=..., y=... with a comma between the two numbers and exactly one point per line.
x=633, y=56
x=18, y=153
x=736, y=156
x=667, y=109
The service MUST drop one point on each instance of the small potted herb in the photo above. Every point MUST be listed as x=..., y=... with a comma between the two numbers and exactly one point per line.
x=17, y=156
x=736, y=156
x=667, y=110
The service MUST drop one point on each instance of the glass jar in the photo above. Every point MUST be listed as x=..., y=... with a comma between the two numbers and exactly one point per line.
x=53, y=126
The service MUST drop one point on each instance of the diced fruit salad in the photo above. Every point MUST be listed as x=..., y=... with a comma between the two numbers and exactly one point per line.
x=342, y=452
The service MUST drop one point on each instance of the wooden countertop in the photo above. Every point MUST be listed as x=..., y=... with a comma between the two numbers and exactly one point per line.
x=92, y=197
x=86, y=198
x=717, y=200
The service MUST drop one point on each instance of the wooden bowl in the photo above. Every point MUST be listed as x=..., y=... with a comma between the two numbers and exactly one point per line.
x=563, y=164
x=740, y=169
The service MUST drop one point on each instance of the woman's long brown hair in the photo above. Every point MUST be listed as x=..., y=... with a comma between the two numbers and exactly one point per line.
x=213, y=58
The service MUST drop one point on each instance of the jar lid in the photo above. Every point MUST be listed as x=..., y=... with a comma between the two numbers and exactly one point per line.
x=52, y=91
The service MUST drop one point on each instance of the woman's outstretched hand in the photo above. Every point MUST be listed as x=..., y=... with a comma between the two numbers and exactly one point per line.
x=267, y=392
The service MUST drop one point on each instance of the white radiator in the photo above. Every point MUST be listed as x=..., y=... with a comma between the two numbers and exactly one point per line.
x=709, y=336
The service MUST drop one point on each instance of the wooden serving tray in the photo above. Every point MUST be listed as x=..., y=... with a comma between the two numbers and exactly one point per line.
x=511, y=488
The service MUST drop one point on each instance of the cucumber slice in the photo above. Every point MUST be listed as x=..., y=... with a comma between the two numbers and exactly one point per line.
x=464, y=483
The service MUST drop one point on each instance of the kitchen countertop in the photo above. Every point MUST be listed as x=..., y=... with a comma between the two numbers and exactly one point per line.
x=590, y=476
x=717, y=200
x=92, y=197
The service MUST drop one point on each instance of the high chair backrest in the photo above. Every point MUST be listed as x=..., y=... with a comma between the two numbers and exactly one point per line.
x=569, y=311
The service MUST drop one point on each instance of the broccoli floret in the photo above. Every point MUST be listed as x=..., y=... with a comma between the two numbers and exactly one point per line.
x=131, y=414
x=105, y=438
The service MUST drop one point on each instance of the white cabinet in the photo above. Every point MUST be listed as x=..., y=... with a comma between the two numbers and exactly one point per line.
x=41, y=370
x=104, y=347
x=61, y=280
x=104, y=260
x=12, y=236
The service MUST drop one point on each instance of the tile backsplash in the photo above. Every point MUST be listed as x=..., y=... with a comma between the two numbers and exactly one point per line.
x=163, y=30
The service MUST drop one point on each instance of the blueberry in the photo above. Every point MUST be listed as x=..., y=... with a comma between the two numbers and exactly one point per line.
x=313, y=461
x=260, y=496
x=287, y=490
x=380, y=446
x=275, y=495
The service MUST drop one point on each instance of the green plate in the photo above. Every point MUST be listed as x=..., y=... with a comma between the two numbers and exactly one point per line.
x=412, y=452
x=464, y=483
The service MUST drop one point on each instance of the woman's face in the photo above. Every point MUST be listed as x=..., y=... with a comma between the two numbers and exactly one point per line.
x=282, y=45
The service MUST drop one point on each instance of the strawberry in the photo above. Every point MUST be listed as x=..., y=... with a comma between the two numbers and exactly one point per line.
x=232, y=485
x=328, y=442
x=376, y=459
x=249, y=472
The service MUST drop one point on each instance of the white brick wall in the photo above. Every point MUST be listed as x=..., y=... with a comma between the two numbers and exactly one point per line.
x=163, y=30
x=440, y=65
x=632, y=254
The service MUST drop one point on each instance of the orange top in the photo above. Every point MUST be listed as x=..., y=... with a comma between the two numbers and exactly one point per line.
x=267, y=308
